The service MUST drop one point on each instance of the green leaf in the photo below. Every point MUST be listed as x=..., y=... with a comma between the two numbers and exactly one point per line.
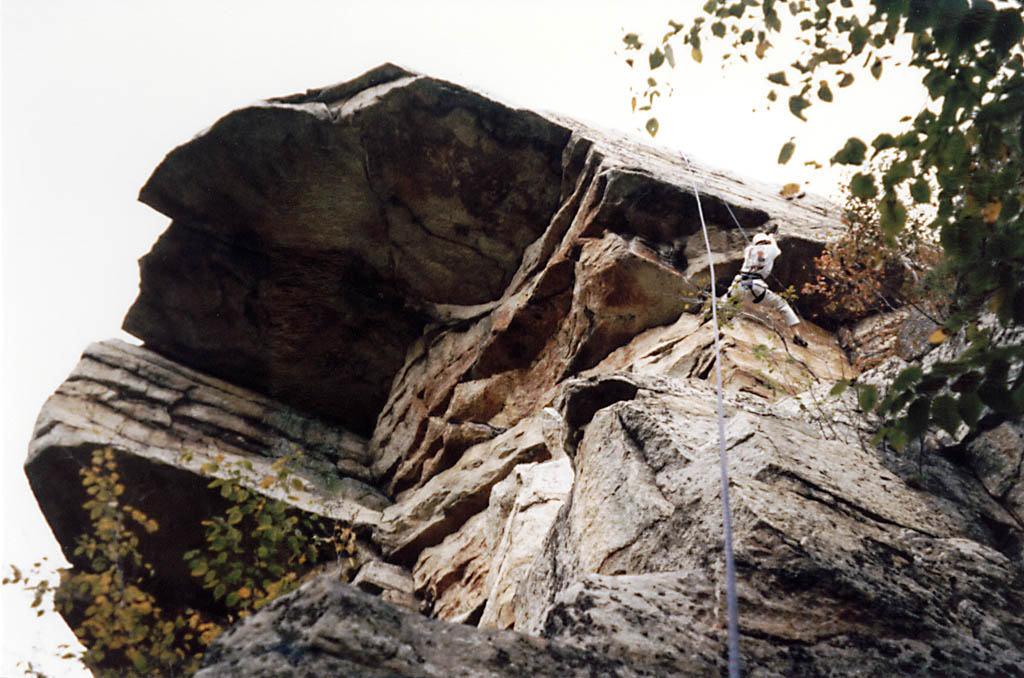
x=968, y=382
x=779, y=78
x=718, y=29
x=846, y=80
x=858, y=38
x=946, y=414
x=839, y=387
x=946, y=370
x=883, y=141
x=1018, y=400
x=852, y=153
x=897, y=437
x=863, y=186
x=656, y=59
x=824, y=93
x=832, y=56
x=1007, y=31
x=632, y=41
x=916, y=422
x=876, y=69
x=931, y=383
x=867, y=397
x=892, y=215
x=907, y=378
x=920, y=191
x=919, y=15
x=970, y=407
x=996, y=396
x=786, y=152
x=797, y=104
x=652, y=126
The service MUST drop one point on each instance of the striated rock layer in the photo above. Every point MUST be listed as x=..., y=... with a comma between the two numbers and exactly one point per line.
x=482, y=327
x=165, y=423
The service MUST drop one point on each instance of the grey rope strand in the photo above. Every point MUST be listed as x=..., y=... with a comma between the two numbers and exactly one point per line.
x=735, y=220
x=730, y=566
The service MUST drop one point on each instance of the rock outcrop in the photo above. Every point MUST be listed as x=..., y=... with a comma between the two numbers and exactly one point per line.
x=481, y=330
x=329, y=629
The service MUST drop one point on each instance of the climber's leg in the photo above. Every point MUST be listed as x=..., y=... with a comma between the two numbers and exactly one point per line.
x=790, y=317
x=779, y=304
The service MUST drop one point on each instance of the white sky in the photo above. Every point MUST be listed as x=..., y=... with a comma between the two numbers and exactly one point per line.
x=96, y=93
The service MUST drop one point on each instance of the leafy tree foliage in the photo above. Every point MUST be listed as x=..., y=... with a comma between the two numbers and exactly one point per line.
x=864, y=272
x=124, y=630
x=259, y=548
x=968, y=143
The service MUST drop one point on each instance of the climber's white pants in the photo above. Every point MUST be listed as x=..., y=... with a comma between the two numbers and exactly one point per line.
x=755, y=288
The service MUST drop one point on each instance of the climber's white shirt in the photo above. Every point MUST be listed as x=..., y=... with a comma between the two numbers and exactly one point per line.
x=759, y=258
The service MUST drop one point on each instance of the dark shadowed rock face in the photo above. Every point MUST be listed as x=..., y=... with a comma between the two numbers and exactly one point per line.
x=306, y=218
x=482, y=329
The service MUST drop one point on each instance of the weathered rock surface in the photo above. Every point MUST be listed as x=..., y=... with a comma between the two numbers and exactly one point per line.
x=537, y=492
x=474, y=572
x=756, y=357
x=997, y=456
x=903, y=332
x=391, y=583
x=833, y=550
x=426, y=515
x=482, y=327
x=328, y=628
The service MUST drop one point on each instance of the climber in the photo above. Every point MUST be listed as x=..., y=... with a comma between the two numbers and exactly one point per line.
x=757, y=265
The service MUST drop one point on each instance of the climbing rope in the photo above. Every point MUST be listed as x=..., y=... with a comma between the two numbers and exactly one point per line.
x=730, y=565
x=734, y=219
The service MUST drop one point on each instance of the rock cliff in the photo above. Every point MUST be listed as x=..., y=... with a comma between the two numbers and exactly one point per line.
x=481, y=328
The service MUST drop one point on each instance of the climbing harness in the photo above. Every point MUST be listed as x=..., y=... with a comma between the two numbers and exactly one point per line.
x=747, y=282
x=730, y=566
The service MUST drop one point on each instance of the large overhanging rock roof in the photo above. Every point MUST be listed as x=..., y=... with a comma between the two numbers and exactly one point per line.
x=357, y=210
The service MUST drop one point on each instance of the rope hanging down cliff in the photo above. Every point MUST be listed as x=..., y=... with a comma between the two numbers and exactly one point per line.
x=730, y=565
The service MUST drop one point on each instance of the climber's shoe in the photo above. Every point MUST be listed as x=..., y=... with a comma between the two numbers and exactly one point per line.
x=799, y=341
